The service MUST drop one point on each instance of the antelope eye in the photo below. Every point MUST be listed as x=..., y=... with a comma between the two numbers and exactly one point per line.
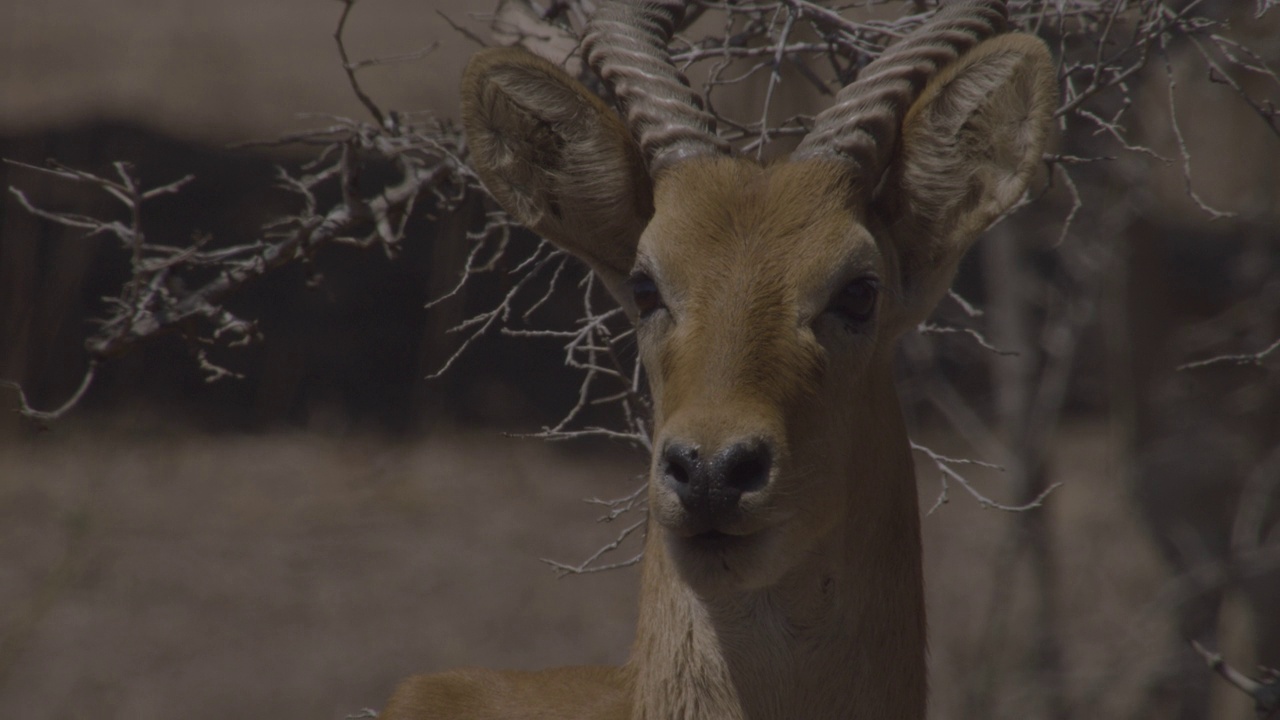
x=856, y=302
x=645, y=293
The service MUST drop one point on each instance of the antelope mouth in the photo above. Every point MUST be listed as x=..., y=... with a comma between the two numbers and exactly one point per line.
x=700, y=529
x=718, y=560
x=696, y=530
x=714, y=540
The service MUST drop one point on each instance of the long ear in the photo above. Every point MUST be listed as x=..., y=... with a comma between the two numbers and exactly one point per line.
x=970, y=145
x=557, y=159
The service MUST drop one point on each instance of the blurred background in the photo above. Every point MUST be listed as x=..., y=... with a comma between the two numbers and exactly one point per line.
x=295, y=541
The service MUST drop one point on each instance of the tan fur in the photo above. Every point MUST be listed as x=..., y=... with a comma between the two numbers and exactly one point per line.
x=556, y=158
x=568, y=693
x=812, y=605
x=951, y=180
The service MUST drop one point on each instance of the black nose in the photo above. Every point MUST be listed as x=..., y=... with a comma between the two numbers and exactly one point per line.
x=710, y=489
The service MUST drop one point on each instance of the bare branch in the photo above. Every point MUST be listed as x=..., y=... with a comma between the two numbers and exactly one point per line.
x=462, y=30
x=350, y=67
x=1265, y=693
x=588, y=566
x=1182, y=145
x=48, y=416
x=1243, y=359
x=181, y=287
x=926, y=328
x=944, y=463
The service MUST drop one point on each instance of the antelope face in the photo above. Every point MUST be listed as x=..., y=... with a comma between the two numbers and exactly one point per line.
x=766, y=299
x=759, y=299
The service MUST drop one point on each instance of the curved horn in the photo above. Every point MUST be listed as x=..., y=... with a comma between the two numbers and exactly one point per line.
x=626, y=44
x=862, y=126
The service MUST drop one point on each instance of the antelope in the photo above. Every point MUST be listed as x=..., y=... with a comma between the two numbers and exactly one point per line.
x=782, y=570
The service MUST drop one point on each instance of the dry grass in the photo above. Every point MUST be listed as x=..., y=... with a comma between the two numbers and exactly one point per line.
x=152, y=573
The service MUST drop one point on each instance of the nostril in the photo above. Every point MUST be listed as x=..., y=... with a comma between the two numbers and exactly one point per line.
x=679, y=463
x=678, y=472
x=746, y=466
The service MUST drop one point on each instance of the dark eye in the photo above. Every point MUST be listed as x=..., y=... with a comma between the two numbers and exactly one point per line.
x=856, y=302
x=645, y=293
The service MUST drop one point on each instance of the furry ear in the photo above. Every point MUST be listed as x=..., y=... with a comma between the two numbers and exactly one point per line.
x=557, y=159
x=970, y=145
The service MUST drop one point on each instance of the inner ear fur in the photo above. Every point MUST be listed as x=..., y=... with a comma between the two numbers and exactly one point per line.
x=971, y=144
x=557, y=158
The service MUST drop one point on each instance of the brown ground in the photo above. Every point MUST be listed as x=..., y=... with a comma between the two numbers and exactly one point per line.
x=152, y=573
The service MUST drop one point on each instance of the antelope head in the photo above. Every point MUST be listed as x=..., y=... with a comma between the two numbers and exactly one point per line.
x=767, y=298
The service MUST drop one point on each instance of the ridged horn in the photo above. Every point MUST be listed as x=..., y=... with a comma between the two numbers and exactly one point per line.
x=862, y=126
x=626, y=44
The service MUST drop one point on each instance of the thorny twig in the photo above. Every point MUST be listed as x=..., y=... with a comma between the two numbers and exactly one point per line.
x=182, y=287
x=949, y=474
x=926, y=328
x=48, y=416
x=1256, y=358
x=350, y=67
x=588, y=566
x=1185, y=154
x=1265, y=692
